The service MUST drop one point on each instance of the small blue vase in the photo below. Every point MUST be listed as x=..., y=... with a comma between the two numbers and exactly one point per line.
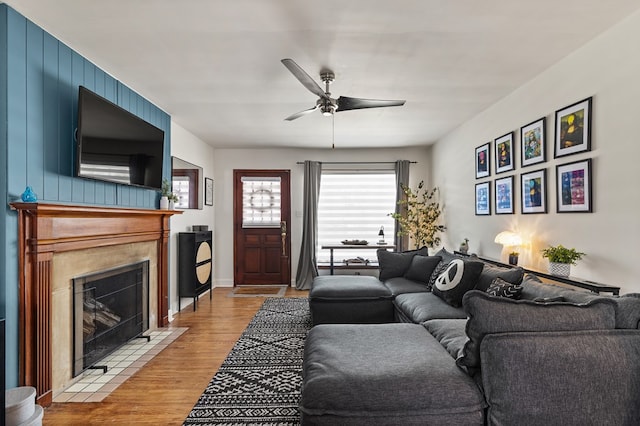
x=28, y=196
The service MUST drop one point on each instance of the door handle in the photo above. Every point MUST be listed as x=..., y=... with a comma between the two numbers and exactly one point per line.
x=283, y=236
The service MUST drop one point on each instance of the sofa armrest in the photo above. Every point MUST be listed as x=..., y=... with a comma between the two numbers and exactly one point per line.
x=568, y=378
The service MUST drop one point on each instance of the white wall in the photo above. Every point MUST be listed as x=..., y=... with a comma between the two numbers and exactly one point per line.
x=226, y=160
x=187, y=147
x=607, y=69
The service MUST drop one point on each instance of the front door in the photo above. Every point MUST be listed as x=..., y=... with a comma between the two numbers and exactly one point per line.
x=262, y=215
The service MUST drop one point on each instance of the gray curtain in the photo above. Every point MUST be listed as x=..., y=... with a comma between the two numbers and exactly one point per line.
x=307, y=263
x=402, y=178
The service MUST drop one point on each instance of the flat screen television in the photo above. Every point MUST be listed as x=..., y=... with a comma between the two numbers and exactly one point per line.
x=115, y=145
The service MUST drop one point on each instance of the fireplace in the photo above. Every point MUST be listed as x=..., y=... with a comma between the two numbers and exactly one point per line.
x=109, y=309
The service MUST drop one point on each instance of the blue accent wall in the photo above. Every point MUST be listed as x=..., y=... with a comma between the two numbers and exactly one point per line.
x=39, y=80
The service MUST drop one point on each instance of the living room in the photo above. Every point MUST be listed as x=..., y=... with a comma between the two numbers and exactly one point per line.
x=603, y=69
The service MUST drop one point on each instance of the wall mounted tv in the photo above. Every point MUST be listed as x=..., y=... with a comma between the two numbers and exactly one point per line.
x=116, y=146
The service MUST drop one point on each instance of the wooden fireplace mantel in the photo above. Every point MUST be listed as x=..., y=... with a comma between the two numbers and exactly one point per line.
x=45, y=229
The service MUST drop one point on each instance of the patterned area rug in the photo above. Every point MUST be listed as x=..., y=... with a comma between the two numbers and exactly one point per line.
x=259, y=381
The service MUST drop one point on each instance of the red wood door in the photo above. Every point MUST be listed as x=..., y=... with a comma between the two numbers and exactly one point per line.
x=262, y=214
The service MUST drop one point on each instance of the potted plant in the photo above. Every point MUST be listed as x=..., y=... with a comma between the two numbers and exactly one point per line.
x=513, y=258
x=561, y=259
x=421, y=216
x=165, y=193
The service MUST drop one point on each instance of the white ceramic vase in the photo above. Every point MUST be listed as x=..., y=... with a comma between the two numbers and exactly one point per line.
x=164, y=203
x=561, y=269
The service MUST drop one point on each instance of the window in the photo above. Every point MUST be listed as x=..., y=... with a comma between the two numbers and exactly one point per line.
x=354, y=205
x=260, y=202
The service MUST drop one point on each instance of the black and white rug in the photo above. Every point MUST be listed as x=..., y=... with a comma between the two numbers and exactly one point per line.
x=259, y=381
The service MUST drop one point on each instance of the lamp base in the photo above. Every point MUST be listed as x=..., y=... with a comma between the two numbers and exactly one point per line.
x=513, y=260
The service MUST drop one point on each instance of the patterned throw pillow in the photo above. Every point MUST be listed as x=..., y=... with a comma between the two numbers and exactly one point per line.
x=500, y=287
x=456, y=279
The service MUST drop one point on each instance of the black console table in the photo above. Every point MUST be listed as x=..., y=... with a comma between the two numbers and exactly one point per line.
x=576, y=282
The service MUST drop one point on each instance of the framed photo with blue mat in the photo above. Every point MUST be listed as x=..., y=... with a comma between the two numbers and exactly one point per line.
x=504, y=195
x=574, y=189
x=534, y=192
x=483, y=199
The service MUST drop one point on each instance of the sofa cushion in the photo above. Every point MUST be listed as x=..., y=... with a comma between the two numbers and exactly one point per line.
x=396, y=264
x=628, y=313
x=491, y=272
x=501, y=288
x=344, y=287
x=450, y=333
x=421, y=268
x=401, y=285
x=571, y=380
x=533, y=288
x=421, y=307
x=490, y=314
x=458, y=277
x=384, y=374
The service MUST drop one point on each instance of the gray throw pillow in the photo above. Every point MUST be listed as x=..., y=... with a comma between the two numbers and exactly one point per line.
x=447, y=257
x=501, y=288
x=488, y=315
x=393, y=264
x=491, y=272
x=421, y=268
x=457, y=278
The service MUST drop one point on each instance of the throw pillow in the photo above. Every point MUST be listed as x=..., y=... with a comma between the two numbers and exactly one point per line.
x=396, y=264
x=447, y=257
x=501, y=288
x=458, y=277
x=421, y=268
x=491, y=272
x=488, y=315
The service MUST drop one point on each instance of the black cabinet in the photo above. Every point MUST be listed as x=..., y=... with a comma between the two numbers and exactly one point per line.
x=195, y=265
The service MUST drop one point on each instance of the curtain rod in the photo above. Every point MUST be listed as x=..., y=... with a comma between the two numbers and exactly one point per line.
x=357, y=162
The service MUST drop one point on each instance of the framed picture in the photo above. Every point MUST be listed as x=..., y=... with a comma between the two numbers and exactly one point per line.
x=573, y=129
x=504, y=195
x=533, y=142
x=534, y=191
x=504, y=153
x=483, y=160
x=208, y=191
x=483, y=199
x=574, y=187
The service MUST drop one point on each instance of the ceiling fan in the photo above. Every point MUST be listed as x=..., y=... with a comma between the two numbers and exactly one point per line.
x=326, y=104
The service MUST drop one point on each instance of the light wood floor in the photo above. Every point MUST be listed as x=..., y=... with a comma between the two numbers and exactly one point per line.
x=164, y=391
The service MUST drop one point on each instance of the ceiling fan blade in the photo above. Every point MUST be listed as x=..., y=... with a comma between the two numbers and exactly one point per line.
x=304, y=78
x=346, y=103
x=301, y=113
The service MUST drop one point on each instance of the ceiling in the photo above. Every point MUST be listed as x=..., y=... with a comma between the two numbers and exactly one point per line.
x=214, y=65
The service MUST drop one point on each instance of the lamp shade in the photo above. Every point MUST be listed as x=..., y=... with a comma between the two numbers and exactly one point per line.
x=508, y=238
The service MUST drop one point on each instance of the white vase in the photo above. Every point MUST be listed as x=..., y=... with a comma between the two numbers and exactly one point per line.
x=172, y=205
x=561, y=269
x=164, y=203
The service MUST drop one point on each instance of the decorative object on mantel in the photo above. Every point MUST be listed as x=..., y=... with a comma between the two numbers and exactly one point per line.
x=354, y=242
x=28, y=196
x=422, y=216
x=167, y=198
x=464, y=246
x=561, y=259
x=510, y=239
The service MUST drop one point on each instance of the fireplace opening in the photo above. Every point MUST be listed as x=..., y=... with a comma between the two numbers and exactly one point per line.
x=109, y=309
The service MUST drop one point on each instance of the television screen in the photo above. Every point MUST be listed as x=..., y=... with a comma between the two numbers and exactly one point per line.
x=115, y=145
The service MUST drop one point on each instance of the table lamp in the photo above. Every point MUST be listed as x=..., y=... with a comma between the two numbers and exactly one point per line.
x=510, y=239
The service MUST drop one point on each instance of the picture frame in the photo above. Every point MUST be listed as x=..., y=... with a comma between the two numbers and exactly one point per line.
x=573, y=129
x=503, y=147
x=483, y=199
x=534, y=192
x=208, y=191
x=574, y=187
x=483, y=160
x=504, y=195
x=533, y=142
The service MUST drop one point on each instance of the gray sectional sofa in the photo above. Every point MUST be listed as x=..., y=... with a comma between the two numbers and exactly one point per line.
x=414, y=349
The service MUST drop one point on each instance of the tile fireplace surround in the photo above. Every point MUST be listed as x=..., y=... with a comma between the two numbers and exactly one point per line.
x=45, y=230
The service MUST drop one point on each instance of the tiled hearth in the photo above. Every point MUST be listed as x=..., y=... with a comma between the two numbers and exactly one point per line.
x=94, y=385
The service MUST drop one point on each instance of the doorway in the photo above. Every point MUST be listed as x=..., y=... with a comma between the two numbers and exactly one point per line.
x=262, y=217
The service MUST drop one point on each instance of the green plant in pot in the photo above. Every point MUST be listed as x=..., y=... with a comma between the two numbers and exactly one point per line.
x=561, y=259
x=420, y=216
x=166, y=194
